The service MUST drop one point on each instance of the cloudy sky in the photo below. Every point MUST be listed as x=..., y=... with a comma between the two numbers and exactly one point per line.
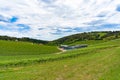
x=52, y=19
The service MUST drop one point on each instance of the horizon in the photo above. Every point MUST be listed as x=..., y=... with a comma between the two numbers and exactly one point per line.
x=61, y=37
x=53, y=19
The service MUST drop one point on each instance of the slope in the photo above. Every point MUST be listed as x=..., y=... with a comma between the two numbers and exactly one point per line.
x=97, y=62
x=12, y=52
x=100, y=36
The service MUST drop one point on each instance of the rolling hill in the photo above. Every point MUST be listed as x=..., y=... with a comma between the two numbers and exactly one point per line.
x=96, y=62
x=28, y=61
x=87, y=37
x=12, y=52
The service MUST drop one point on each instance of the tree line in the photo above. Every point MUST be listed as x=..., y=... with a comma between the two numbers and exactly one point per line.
x=98, y=35
x=24, y=39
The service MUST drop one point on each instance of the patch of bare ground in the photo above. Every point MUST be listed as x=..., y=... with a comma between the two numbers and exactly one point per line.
x=62, y=50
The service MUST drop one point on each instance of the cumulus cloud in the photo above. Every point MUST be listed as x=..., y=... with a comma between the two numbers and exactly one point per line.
x=52, y=19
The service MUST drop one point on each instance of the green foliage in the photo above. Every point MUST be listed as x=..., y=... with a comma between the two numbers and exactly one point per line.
x=25, y=39
x=103, y=35
x=89, y=42
x=86, y=36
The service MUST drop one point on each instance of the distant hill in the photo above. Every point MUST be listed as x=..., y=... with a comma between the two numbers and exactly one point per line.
x=24, y=39
x=76, y=38
x=86, y=36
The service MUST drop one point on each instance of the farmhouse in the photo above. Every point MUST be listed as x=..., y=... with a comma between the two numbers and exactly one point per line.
x=66, y=47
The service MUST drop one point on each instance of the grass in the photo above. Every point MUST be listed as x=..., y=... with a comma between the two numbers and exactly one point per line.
x=25, y=48
x=16, y=52
x=96, y=62
x=30, y=59
x=89, y=42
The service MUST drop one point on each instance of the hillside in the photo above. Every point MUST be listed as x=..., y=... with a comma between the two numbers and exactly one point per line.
x=100, y=36
x=29, y=61
x=96, y=62
x=81, y=38
x=12, y=52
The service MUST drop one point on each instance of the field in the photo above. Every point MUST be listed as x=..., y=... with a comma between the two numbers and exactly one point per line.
x=16, y=52
x=27, y=61
x=89, y=42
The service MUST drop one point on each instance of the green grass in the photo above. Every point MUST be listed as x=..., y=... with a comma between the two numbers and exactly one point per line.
x=25, y=48
x=89, y=42
x=102, y=34
x=16, y=52
x=96, y=62
x=17, y=59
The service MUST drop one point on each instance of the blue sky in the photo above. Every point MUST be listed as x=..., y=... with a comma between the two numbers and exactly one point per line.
x=53, y=19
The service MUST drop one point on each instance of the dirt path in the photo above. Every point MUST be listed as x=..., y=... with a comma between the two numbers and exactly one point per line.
x=62, y=50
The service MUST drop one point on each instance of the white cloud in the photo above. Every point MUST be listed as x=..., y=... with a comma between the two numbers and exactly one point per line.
x=51, y=14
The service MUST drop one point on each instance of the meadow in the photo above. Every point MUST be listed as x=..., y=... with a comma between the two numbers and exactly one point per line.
x=27, y=61
x=16, y=52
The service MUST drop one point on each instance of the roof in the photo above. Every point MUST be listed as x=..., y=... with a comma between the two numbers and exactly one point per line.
x=73, y=47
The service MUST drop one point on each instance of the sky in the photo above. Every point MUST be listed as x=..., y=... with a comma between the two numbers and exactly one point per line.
x=53, y=19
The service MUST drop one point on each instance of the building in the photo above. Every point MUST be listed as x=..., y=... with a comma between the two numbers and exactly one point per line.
x=66, y=47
